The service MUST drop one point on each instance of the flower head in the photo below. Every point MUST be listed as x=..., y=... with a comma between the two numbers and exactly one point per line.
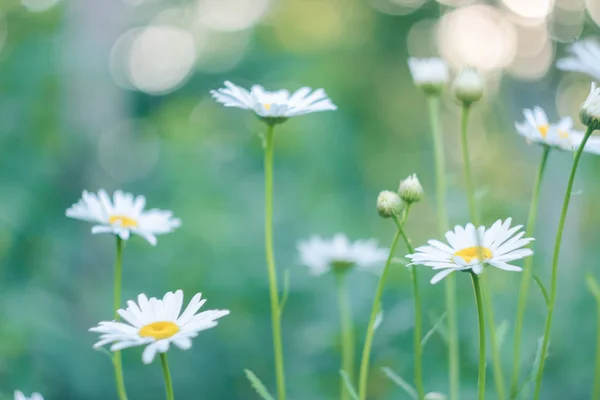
x=561, y=135
x=590, y=109
x=34, y=396
x=388, y=204
x=157, y=324
x=339, y=254
x=123, y=215
x=585, y=57
x=410, y=189
x=469, y=249
x=468, y=86
x=274, y=107
x=430, y=74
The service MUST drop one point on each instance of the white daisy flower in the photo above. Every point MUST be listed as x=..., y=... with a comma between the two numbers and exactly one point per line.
x=123, y=215
x=585, y=57
x=274, y=107
x=498, y=246
x=561, y=135
x=339, y=254
x=590, y=109
x=34, y=396
x=157, y=324
x=430, y=74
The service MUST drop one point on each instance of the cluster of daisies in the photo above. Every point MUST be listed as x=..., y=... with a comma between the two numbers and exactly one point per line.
x=157, y=323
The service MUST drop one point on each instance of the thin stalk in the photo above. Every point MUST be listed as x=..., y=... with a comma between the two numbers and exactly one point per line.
x=489, y=310
x=117, y=362
x=167, y=375
x=273, y=293
x=364, y=364
x=554, y=278
x=442, y=217
x=526, y=276
x=418, y=320
x=481, y=318
x=487, y=301
x=347, y=328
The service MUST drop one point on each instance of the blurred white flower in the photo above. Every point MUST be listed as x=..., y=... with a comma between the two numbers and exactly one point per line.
x=274, y=107
x=561, y=135
x=590, y=109
x=157, y=324
x=498, y=246
x=468, y=85
x=123, y=215
x=430, y=74
x=585, y=57
x=339, y=254
x=34, y=396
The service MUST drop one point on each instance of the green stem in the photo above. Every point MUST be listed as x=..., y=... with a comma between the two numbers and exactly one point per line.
x=526, y=276
x=489, y=310
x=167, y=375
x=347, y=329
x=418, y=319
x=450, y=281
x=480, y=316
x=596, y=390
x=487, y=300
x=275, y=311
x=117, y=362
x=554, y=278
x=364, y=364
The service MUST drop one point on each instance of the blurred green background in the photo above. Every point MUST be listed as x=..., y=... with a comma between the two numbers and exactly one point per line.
x=114, y=94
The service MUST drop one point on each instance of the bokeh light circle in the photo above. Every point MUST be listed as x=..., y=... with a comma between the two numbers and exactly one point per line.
x=477, y=35
x=231, y=15
x=161, y=58
x=534, y=9
x=38, y=5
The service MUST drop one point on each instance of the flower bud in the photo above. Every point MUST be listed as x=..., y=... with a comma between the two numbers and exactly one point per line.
x=468, y=86
x=388, y=204
x=590, y=109
x=435, y=396
x=410, y=189
x=429, y=74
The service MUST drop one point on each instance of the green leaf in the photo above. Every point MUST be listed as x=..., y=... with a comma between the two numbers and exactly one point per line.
x=378, y=320
x=348, y=385
x=534, y=367
x=286, y=290
x=441, y=329
x=437, y=326
x=501, y=331
x=593, y=286
x=400, y=382
x=542, y=288
x=258, y=385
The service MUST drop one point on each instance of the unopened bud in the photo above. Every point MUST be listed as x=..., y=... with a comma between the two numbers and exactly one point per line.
x=410, y=189
x=590, y=109
x=468, y=86
x=388, y=204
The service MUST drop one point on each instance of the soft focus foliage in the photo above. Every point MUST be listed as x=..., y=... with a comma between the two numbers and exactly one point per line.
x=114, y=94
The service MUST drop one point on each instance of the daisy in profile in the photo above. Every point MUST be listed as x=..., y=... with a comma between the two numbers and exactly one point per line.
x=123, y=215
x=561, y=135
x=274, y=107
x=429, y=74
x=498, y=246
x=34, y=396
x=584, y=57
x=157, y=324
x=339, y=254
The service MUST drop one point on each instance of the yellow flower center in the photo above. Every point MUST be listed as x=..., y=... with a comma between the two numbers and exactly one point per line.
x=543, y=130
x=267, y=106
x=159, y=330
x=470, y=253
x=122, y=220
x=563, y=134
